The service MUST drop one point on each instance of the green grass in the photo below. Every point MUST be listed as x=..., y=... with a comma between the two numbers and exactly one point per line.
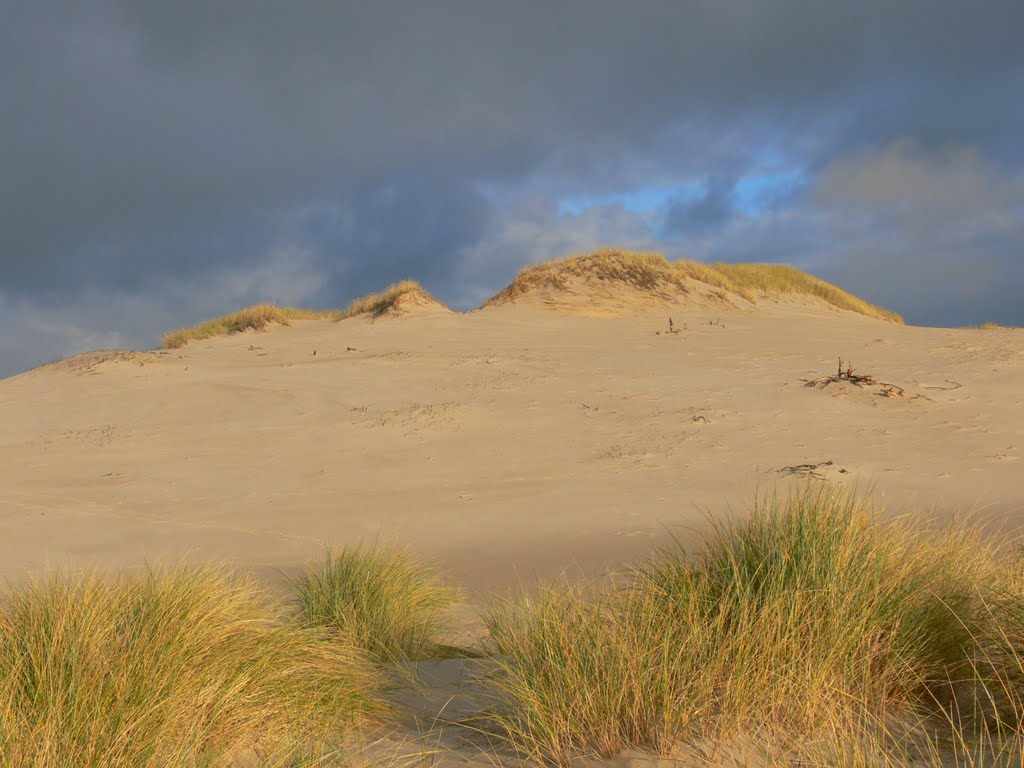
x=172, y=667
x=385, y=597
x=813, y=622
x=260, y=316
x=653, y=273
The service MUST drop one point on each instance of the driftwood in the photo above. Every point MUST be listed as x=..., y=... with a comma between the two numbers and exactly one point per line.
x=673, y=328
x=807, y=470
x=861, y=380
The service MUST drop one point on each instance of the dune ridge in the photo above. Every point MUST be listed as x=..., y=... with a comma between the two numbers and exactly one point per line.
x=397, y=299
x=650, y=273
x=605, y=276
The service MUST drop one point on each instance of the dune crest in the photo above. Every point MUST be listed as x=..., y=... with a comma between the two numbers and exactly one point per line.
x=398, y=299
x=610, y=281
x=402, y=299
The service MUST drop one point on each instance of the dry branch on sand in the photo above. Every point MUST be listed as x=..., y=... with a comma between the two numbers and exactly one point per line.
x=808, y=470
x=861, y=380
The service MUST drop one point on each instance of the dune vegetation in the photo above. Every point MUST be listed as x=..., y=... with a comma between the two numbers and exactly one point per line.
x=643, y=270
x=651, y=272
x=811, y=630
x=995, y=327
x=171, y=667
x=781, y=279
x=814, y=631
x=384, y=597
x=260, y=316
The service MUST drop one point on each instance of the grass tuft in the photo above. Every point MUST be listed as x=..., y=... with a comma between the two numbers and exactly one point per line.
x=260, y=316
x=814, y=614
x=994, y=327
x=393, y=296
x=255, y=318
x=384, y=596
x=782, y=279
x=173, y=667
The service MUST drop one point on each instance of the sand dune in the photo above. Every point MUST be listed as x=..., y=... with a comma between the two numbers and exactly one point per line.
x=573, y=422
x=508, y=441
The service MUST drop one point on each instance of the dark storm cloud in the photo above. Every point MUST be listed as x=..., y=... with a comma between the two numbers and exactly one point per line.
x=705, y=214
x=150, y=147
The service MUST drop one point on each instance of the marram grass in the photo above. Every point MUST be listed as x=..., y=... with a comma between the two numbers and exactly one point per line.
x=172, y=667
x=260, y=316
x=383, y=596
x=814, y=622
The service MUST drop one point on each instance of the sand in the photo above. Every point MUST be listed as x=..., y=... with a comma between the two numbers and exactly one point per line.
x=515, y=442
x=510, y=442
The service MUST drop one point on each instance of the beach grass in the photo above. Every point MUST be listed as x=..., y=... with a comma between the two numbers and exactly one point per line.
x=384, y=596
x=812, y=624
x=261, y=316
x=995, y=327
x=254, y=318
x=175, y=666
x=782, y=279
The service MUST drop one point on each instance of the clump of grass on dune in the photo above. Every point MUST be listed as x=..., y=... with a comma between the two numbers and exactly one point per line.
x=174, y=667
x=379, y=303
x=255, y=318
x=814, y=615
x=385, y=597
x=260, y=316
x=995, y=327
x=643, y=270
x=782, y=279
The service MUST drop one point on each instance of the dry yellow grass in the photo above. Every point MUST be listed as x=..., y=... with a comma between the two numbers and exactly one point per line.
x=383, y=596
x=653, y=273
x=995, y=327
x=781, y=279
x=255, y=318
x=816, y=629
x=646, y=271
x=391, y=297
x=170, y=668
x=259, y=316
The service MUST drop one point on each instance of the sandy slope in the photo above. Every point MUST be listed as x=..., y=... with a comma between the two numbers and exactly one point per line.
x=509, y=442
x=514, y=437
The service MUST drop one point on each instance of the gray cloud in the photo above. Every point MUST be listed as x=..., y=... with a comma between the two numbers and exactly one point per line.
x=937, y=235
x=149, y=148
x=705, y=214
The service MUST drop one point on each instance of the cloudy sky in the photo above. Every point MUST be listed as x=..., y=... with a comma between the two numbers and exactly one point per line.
x=163, y=162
